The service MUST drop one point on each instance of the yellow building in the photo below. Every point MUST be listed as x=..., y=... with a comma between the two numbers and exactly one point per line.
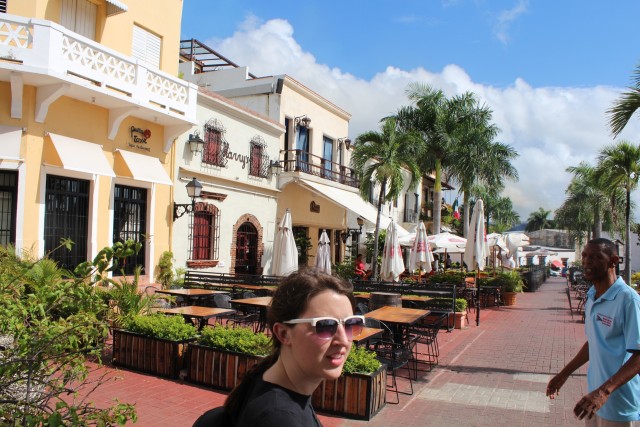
x=90, y=106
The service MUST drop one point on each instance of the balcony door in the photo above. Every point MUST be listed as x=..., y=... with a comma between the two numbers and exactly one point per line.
x=79, y=16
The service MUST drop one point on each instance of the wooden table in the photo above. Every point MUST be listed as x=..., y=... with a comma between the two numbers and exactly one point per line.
x=201, y=314
x=190, y=295
x=260, y=302
x=366, y=335
x=398, y=318
x=232, y=286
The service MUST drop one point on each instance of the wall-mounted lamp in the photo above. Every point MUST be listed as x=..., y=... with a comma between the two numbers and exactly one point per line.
x=353, y=232
x=276, y=167
x=196, y=144
x=302, y=121
x=194, y=188
x=346, y=141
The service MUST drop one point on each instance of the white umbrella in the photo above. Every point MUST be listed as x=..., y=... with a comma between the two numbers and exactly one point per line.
x=514, y=242
x=447, y=241
x=323, y=256
x=392, y=263
x=475, y=253
x=421, y=256
x=285, y=252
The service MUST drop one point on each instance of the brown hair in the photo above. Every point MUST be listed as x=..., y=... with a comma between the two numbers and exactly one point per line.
x=289, y=300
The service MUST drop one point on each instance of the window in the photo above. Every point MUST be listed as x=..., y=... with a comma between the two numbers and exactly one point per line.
x=146, y=46
x=3, y=6
x=302, y=148
x=66, y=217
x=327, y=158
x=215, y=146
x=205, y=232
x=79, y=16
x=8, y=200
x=130, y=223
x=258, y=160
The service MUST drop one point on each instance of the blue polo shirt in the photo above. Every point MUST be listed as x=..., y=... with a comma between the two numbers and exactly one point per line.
x=612, y=324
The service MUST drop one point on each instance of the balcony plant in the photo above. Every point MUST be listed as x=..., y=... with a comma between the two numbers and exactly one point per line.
x=359, y=392
x=155, y=344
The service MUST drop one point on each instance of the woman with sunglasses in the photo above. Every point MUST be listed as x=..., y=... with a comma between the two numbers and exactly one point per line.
x=312, y=324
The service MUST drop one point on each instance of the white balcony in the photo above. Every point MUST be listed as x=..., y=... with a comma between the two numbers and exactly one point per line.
x=60, y=62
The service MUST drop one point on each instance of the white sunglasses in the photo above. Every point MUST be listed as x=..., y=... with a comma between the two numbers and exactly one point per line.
x=326, y=327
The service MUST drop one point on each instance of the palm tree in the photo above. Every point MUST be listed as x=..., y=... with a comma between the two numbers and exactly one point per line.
x=498, y=210
x=625, y=106
x=383, y=158
x=619, y=166
x=538, y=220
x=437, y=120
x=587, y=188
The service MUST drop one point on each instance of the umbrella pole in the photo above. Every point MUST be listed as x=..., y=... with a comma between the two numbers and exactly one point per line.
x=477, y=299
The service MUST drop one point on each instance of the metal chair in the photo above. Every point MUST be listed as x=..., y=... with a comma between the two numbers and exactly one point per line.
x=234, y=319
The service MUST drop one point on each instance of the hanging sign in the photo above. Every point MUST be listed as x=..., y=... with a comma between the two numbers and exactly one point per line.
x=139, y=138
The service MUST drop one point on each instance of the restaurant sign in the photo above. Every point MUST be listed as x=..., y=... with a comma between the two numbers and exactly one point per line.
x=139, y=138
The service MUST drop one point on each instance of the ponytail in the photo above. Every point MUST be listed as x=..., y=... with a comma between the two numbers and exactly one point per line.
x=240, y=394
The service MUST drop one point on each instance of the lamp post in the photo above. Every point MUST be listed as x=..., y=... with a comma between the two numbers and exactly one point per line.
x=303, y=121
x=355, y=235
x=194, y=188
x=196, y=144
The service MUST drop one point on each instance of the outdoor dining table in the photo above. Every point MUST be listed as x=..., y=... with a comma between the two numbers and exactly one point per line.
x=366, y=335
x=260, y=302
x=194, y=313
x=234, y=286
x=398, y=318
x=190, y=295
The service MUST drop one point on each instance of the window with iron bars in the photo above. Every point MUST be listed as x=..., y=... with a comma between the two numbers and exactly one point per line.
x=205, y=233
x=258, y=160
x=215, y=147
x=3, y=6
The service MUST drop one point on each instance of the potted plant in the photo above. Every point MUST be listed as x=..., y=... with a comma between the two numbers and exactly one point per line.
x=221, y=356
x=459, y=315
x=154, y=344
x=359, y=392
x=511, y=284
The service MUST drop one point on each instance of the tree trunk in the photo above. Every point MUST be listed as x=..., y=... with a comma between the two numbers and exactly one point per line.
x=627, y=248
x=597, y=220
x=466, y=218
x=437, y=198
x=374, y=261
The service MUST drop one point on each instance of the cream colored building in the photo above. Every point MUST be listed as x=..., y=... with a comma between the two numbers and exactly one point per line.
x=90, y=105
x=234, y=218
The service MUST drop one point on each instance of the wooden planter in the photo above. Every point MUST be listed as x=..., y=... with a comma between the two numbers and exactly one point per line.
x=146, y=354
x=359, y=396
x=509, y=298
x=457, y=321
x=217, y=368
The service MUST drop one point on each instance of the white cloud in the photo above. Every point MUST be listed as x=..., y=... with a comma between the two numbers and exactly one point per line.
x=506, y=18
x=550, y=127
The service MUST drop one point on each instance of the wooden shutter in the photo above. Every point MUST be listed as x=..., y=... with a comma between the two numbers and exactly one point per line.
x=146, y=46
x=79, y=16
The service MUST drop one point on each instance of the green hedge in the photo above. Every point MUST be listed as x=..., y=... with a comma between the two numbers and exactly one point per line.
x=172, y=328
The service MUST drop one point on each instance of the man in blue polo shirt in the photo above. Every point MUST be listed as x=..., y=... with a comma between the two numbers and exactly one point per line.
x=612, y=324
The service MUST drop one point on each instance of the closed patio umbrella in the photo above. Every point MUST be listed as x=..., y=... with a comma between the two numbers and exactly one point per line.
x=285, y=252
x=421, y=256
x=392, y=263
x=323, y=256
x=475, y=254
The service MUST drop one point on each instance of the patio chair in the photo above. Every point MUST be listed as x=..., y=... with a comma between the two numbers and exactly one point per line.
x=425, y=339
x=362, y=308
x=158, y=302
x=234, y=319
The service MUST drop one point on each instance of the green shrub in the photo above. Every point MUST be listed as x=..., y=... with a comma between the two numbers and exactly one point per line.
x=362, y=361
x=172, y=328
x=447, y=277
x=635, y=277
x=345, y=270
x=445, y=303
x=240, y=340
x=509, y=281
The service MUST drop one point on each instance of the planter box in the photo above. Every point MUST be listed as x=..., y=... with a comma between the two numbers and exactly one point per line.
x=151, y=355
x=359, y=396
x=457, y=321
x=217, y=368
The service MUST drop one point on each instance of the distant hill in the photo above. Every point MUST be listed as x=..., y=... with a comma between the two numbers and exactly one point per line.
x=519, y=227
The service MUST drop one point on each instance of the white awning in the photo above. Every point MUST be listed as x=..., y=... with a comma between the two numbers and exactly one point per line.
x=143, y=168
x=10, y=138
x=115, y=7
x=353, y=202
x=81, y=156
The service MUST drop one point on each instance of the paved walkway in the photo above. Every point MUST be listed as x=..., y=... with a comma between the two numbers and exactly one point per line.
x=494, y=374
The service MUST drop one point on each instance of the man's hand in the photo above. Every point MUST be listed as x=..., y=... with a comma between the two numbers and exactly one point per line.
x=553, y=388
x=590, y=404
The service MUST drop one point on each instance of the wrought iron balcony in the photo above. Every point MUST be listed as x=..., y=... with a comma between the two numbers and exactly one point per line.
x=304, y=162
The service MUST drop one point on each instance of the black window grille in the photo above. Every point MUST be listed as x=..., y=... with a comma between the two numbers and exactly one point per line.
x=130, y=223
x=3, y=6
x=66, y=217
x=216, y=147
x=8, y=200
x=258, y=159
x=205, y=232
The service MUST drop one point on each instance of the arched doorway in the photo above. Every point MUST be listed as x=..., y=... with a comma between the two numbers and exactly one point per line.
x=246, y=249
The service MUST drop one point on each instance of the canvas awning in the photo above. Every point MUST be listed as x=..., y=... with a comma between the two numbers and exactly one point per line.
x=10, y=138
x=115, y=7
x=78, y=155
x=352, y=202
x=140, y=167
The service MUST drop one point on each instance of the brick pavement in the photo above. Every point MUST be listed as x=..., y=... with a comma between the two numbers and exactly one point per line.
x=491, y=375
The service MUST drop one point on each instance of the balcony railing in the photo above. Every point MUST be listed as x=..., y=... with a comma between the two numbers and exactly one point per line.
x=302, y=161
x=43, y=47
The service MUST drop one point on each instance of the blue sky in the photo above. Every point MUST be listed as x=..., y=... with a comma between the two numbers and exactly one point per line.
x=548, y=69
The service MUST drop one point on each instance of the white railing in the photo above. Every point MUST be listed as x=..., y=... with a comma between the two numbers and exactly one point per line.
x=46, y=47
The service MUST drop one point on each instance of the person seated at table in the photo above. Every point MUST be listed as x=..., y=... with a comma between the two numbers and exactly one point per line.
x=360, y=270
x=312, y=323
